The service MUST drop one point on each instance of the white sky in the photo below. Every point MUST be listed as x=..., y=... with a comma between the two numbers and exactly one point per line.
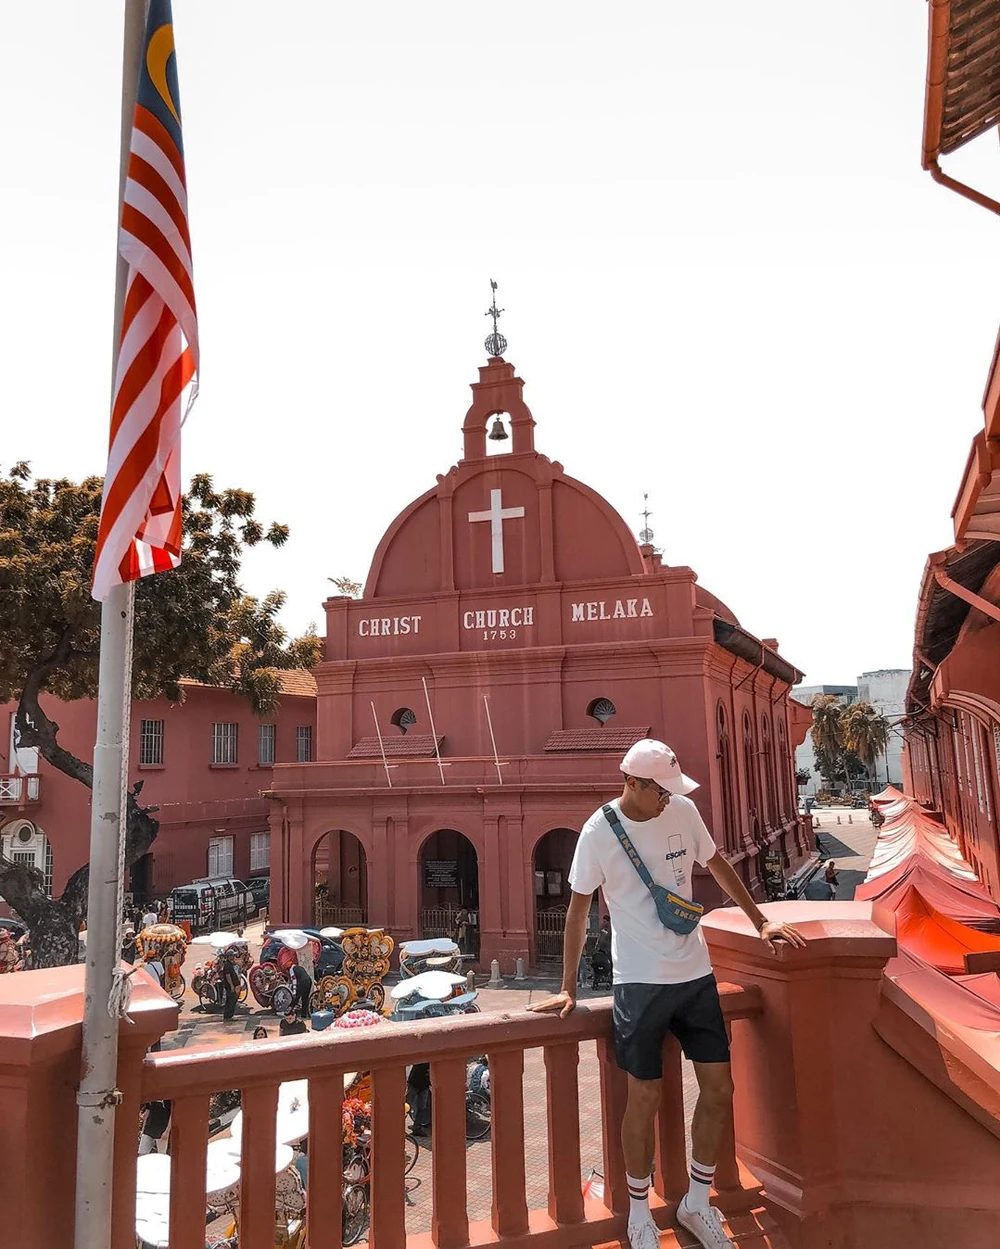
x=727, y=280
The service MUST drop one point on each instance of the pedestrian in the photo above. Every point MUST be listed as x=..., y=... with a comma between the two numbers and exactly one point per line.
x=303, y=985
x=149, y=916
x=128, y=945
x=260, y=1033
x=291, y=1025
x=641, y=850
x=830, y=876
x=230, y=984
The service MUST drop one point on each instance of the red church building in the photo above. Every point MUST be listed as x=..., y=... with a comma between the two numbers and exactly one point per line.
x=511, y=642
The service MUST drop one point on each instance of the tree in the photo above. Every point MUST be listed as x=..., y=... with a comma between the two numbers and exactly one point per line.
x=802, y=776
x=352, y=589
x=828, y=737
x=866, y=733
x=194, y=622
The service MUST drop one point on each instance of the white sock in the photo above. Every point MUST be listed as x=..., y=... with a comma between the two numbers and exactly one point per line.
x=701, y=1185
x=638, y=1200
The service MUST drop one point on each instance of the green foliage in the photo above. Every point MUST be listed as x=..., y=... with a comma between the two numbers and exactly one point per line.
x=866, y=732
x=847, y=739
x=352, y=589
x=193, y=622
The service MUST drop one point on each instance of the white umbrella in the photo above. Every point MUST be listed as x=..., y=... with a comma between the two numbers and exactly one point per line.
x=293, y=938
x=333, y=933
x=219, y=940
x=429, y=984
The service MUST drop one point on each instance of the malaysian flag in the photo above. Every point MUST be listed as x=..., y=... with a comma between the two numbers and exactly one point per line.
x=140, y=529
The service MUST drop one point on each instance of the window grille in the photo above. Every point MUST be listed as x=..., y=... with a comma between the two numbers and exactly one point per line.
x=224, y=738
x=151, y=743
x=304, y=743
x=265, y=745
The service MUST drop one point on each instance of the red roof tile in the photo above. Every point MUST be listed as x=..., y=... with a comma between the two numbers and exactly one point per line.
x=595, y=739
x=413, y=745
x=295, y=681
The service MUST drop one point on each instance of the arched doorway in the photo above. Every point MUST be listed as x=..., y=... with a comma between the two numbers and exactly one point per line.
x=550, y=874
x=340, y=880
x=449, y=889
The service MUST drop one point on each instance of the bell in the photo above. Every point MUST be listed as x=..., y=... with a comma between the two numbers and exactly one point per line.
x=498, y=433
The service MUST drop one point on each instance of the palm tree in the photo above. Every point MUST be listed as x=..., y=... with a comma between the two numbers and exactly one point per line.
x=866, y=733
x=827, y=729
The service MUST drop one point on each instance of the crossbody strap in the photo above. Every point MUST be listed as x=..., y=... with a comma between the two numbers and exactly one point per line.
x=611, y=815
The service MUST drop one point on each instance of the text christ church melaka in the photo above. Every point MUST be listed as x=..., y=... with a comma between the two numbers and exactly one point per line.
x=474, y=704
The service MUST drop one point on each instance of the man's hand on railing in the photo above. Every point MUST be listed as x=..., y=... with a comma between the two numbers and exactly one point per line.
x=771, y=931
x=562, y=1003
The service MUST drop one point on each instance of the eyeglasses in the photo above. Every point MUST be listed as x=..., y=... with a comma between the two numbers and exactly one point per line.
x=660, y=791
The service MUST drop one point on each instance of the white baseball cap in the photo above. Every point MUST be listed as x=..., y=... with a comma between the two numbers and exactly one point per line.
x=653, y=761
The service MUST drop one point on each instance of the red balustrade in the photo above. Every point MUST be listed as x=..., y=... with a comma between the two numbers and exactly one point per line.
x=188, y=1078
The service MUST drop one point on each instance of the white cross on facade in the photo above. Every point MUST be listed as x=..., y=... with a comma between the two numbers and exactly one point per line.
x=496, y=516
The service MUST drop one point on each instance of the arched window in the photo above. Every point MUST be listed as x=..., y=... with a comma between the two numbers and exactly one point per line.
x=725, y=757
x=601, y=710
x=785, y=769
x=751, y=774
x=767, y=772
x=403, y=718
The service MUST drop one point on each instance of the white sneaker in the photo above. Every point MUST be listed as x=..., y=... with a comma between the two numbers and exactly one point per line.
x=644, y=1235
x=705, y=1225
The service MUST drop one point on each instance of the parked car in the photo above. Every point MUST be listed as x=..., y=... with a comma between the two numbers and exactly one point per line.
x=218, y=902
x=260, y=887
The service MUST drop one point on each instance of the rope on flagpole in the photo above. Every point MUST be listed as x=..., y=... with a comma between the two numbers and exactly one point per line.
x=120, y=995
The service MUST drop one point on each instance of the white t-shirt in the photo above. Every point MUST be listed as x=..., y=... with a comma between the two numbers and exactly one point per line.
x=643, y=951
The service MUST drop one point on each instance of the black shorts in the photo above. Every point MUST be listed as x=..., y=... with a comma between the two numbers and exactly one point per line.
x=645, y=1013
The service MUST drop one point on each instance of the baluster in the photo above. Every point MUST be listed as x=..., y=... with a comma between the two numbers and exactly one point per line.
x=727, y=1171
x=449, y=1216
x=126, y=1130
x=260, y=1108
x=563, y=1117
x=670, y=1173
x=510, y=1206
x=388, y=1190
x=188, y=1160
x=326, y=1162
x=614, y=1095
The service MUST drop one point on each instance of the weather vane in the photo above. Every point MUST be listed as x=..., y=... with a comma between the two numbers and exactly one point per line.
x=646, y=534
x=495, y=344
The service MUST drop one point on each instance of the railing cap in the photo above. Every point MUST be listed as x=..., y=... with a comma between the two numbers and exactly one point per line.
x=835, y=932
x=41, y=1013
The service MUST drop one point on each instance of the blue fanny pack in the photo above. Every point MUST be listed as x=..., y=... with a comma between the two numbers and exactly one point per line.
x=673, y=911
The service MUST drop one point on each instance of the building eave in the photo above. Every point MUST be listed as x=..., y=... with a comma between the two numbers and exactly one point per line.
x=962, y=98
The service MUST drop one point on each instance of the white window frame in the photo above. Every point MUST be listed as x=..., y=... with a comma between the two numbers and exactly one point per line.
x=260, y=852
x=266, y=738
x=303, y=736
x=220, y=855
x=151, y=743
x=225, y=743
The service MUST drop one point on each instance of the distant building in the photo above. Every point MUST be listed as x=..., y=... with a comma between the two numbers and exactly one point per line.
x=885, y=689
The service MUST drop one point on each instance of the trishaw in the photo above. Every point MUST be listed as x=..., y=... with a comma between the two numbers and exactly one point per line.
x=165, y=944
x=280, y=952
x=367, y=952
x=206, y=980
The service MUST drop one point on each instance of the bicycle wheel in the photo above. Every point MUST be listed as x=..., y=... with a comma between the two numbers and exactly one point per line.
x=244, y=992
x=177, y=988
x=354, y=1219
x=355, y=1165
x=411, y=1151
x=478, y=1116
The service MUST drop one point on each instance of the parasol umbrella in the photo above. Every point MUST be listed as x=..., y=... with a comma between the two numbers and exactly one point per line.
x=292, y=1118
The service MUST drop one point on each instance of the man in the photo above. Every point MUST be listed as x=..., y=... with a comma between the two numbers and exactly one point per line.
x=663, y=978
x=150, y=916
x=303, y=986
x=230, y=984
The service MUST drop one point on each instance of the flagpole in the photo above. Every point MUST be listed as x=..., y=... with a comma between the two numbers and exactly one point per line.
x=97, y=1096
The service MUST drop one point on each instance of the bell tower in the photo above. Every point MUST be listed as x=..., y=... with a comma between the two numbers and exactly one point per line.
x=498, y=390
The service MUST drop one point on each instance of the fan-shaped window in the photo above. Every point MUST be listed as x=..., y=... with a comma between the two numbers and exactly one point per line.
x=601, y=710
x=403, y=718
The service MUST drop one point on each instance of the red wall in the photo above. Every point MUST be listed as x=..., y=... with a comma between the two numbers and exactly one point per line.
x=196, y=799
